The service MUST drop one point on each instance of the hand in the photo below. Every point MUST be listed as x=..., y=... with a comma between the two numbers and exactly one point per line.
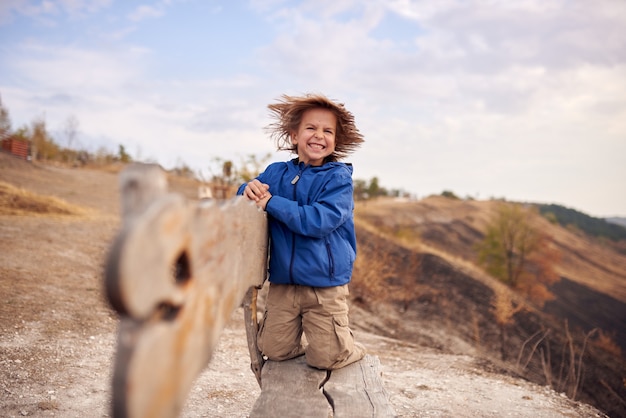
x=257, y=191
x=262, y=203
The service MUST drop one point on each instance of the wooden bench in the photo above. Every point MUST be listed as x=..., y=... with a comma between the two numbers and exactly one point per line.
x=175, y=273
x=291, y=388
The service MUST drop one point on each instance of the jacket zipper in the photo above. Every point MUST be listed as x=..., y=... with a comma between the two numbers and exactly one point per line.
x=294, y=181
x=331, y=261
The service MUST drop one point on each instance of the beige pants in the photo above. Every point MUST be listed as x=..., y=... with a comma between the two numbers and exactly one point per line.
x=321, y=313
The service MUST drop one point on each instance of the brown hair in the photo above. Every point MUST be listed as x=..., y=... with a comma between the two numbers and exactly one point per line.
x=288, y=115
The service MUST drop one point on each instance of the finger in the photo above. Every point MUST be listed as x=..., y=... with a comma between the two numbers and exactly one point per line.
x=249, y=193
x=259, y=189
x=262, y=188
x=256, y=184
x=254, y=192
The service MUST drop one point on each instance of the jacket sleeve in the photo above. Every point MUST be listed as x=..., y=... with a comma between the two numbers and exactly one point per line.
x=331, y=209
x=260, y=177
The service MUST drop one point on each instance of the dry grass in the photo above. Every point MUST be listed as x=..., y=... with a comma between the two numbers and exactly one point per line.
x=416, y=244
x=16, y=201
x=606, y=341
x=584, y=261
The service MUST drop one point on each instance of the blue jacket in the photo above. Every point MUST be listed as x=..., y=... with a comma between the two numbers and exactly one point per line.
x=311, y=223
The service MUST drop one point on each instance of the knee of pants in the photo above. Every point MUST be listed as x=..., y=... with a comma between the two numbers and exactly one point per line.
x=331, y=344
x=277, y=345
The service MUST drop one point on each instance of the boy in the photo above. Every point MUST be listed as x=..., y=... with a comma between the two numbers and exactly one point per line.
x=313, y=244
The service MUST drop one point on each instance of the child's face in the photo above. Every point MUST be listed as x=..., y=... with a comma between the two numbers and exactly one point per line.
x=315, y=137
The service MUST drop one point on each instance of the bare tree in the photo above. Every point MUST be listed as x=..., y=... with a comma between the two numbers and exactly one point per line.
x=5, y=122
x=71, y=130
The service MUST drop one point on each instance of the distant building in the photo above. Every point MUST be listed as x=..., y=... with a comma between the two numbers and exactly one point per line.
x=16, y=147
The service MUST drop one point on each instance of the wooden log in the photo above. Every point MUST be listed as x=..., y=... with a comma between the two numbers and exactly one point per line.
x=252, y=328
x=293, y=389
x=175, y=273
x=357, y=390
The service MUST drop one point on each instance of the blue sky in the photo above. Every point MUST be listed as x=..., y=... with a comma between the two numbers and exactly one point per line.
x=521, y=99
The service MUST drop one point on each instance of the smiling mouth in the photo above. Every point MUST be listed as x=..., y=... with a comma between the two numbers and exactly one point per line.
x=317, y=146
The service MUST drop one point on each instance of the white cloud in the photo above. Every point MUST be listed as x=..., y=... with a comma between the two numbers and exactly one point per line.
x=319, y=52
x=80, y=7
x=45, y=10
x=75, y=70
x=146, y=12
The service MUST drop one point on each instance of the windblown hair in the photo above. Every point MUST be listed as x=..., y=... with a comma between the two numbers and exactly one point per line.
x=288, y=115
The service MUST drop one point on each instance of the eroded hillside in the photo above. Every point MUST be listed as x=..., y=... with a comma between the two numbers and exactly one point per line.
x=416, y=269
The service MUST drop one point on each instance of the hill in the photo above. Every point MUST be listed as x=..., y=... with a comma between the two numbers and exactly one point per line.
x=621, y=221
x=595, y=227
x=422, y=309
x=417, y=262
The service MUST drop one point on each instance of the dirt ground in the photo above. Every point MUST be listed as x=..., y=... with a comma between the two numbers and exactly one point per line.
x=57, y=333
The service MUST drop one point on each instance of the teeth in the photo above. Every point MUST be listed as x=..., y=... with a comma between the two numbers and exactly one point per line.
x=318, y=146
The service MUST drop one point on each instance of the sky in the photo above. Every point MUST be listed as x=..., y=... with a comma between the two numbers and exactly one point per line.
x=517, y=99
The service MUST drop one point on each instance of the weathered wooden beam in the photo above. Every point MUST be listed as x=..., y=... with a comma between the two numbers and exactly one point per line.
x=293, y=389
x=252, y=328
x=175, y=273
x=357, y=390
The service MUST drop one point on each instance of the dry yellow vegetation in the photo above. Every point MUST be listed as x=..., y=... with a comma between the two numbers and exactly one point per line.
x=17, y=201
